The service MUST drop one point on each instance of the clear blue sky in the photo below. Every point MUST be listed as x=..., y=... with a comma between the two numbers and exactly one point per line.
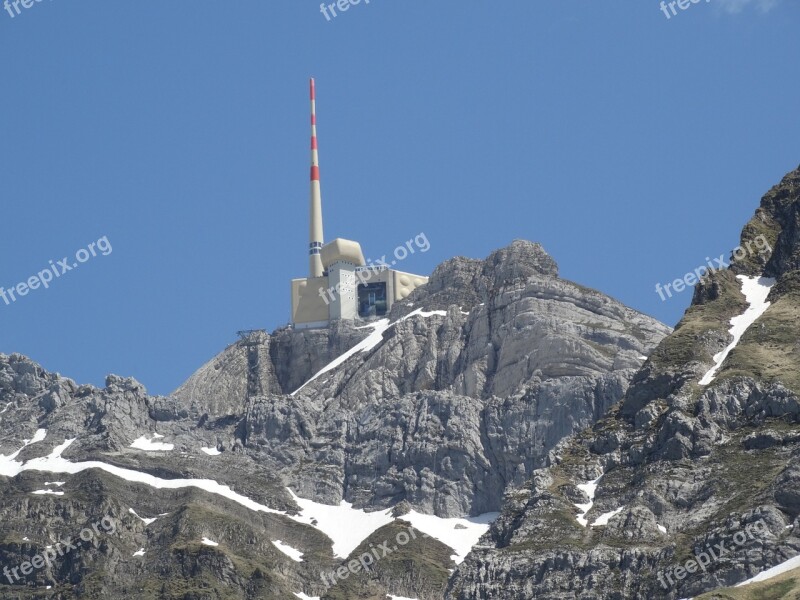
x=630, y=145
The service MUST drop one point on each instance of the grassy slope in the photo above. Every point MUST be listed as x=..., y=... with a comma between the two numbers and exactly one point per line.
x=770, y=349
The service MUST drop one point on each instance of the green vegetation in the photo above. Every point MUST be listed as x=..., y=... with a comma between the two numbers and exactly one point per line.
x=770, y=350
x=702, y=322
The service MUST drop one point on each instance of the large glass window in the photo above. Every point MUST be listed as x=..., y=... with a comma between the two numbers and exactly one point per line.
x=372, y=300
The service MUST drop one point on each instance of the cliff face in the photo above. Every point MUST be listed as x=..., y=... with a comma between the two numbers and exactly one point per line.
x=678, y=467
x=456, y=401
x=457, y=396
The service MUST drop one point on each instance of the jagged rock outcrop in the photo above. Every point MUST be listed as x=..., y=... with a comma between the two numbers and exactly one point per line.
x=682, y=467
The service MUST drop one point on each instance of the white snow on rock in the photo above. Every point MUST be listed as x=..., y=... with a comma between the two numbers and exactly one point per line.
x=58, y=483
x=145, y=521
x=755, y=290
x=54, y=463
x=208, y=542
x=46, y=492
x=400, y=598
x=37, y=437
x=606, y=517
x=8, y=465
x=590, y=488
x=422, y=313
x=302, y=596
x=144, y=443
x=292, y=553
x=785, y=566
x=662, y=529
x=346, y=526
x=369, y=342
x=139, y=552
x=460, y=534
x=211, y=451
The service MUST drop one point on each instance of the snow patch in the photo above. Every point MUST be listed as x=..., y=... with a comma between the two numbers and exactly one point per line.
x=208, y=542
x=755, y=290
x=302, y=596
x=422, y=313
x=369, y=342
x=139, y=552
x=145, y=521
x=346, y=526
x=785, y=566
x=211, y=451
x=292, y=553
x=8, y=466
x=460, y=534
x=54, y=463
x=590, y=488
x=37, y=437
x=58, y=483
x=662, y=529
x=50, y=492
x=606, y=517
x=144, y=443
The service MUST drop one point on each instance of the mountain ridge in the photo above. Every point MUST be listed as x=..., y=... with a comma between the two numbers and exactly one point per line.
x=462, y=393
x=701, y=462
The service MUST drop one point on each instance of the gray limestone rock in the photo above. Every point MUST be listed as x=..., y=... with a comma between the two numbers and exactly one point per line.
x=450, y=411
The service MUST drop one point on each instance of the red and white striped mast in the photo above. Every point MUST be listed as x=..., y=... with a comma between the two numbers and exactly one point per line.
x=315, y=230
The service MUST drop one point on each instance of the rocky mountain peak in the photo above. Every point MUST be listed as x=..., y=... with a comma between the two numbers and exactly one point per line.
x=519, y=261
x=684, y=459
x=776, y=220
x=467, y=282
x=429, y=415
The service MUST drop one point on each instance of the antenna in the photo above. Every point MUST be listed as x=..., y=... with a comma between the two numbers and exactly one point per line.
x=315, y=229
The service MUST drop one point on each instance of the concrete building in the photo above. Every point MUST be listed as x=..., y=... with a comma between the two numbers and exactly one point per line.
x=339, y=284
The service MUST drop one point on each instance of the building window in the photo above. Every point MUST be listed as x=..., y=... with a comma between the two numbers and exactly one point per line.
x=372, y=300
